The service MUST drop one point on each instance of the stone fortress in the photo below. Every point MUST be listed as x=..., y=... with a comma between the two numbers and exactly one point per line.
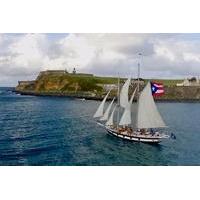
x=22, y=84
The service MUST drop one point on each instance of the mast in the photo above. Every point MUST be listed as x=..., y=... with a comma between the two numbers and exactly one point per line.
x=138, y=85
x=118, y=102
x=138, y=88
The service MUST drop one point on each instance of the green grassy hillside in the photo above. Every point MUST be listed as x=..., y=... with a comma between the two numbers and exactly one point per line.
x=68, y=83
x=75, y=83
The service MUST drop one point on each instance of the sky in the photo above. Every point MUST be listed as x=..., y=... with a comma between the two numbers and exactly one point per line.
x=23, y=56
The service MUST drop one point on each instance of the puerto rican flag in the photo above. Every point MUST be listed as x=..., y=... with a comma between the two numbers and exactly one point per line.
x=157, y=89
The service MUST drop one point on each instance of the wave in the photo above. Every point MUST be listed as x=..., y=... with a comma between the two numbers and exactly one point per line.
x=2, y=92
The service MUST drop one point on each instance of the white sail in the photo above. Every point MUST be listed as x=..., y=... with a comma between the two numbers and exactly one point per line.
x=99, y=112
x=110, y=121
x=126, y=117
x=147, y=114
x=107, y=112
x=124, y=102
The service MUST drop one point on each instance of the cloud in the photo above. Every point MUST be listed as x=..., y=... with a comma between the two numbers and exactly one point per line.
x=22, y=56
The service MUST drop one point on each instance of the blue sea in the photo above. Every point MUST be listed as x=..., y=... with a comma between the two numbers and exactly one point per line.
x=61, y=131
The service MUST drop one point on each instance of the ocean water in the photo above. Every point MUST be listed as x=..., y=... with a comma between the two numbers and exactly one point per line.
x=61, y=131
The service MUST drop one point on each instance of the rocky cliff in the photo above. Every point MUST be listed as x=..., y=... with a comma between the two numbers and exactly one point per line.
x=65, y=84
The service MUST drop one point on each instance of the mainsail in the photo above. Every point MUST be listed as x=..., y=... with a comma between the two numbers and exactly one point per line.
x=124, y=102
x=99, y=112
x=126, y=117
x=107, y=112
x=147, y=114
x=110, y=121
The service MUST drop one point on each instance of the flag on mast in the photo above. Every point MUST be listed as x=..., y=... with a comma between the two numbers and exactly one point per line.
x=157, y=89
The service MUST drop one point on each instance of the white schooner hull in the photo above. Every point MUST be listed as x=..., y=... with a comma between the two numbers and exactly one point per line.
x=137, y=137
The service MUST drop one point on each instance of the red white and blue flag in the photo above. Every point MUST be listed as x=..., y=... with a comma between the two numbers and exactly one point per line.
x=157, y=89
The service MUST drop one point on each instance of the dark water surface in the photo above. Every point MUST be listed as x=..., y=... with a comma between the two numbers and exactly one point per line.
x=50, y=131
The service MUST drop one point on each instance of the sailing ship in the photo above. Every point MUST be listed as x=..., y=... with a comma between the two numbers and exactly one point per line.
x=147, y=117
